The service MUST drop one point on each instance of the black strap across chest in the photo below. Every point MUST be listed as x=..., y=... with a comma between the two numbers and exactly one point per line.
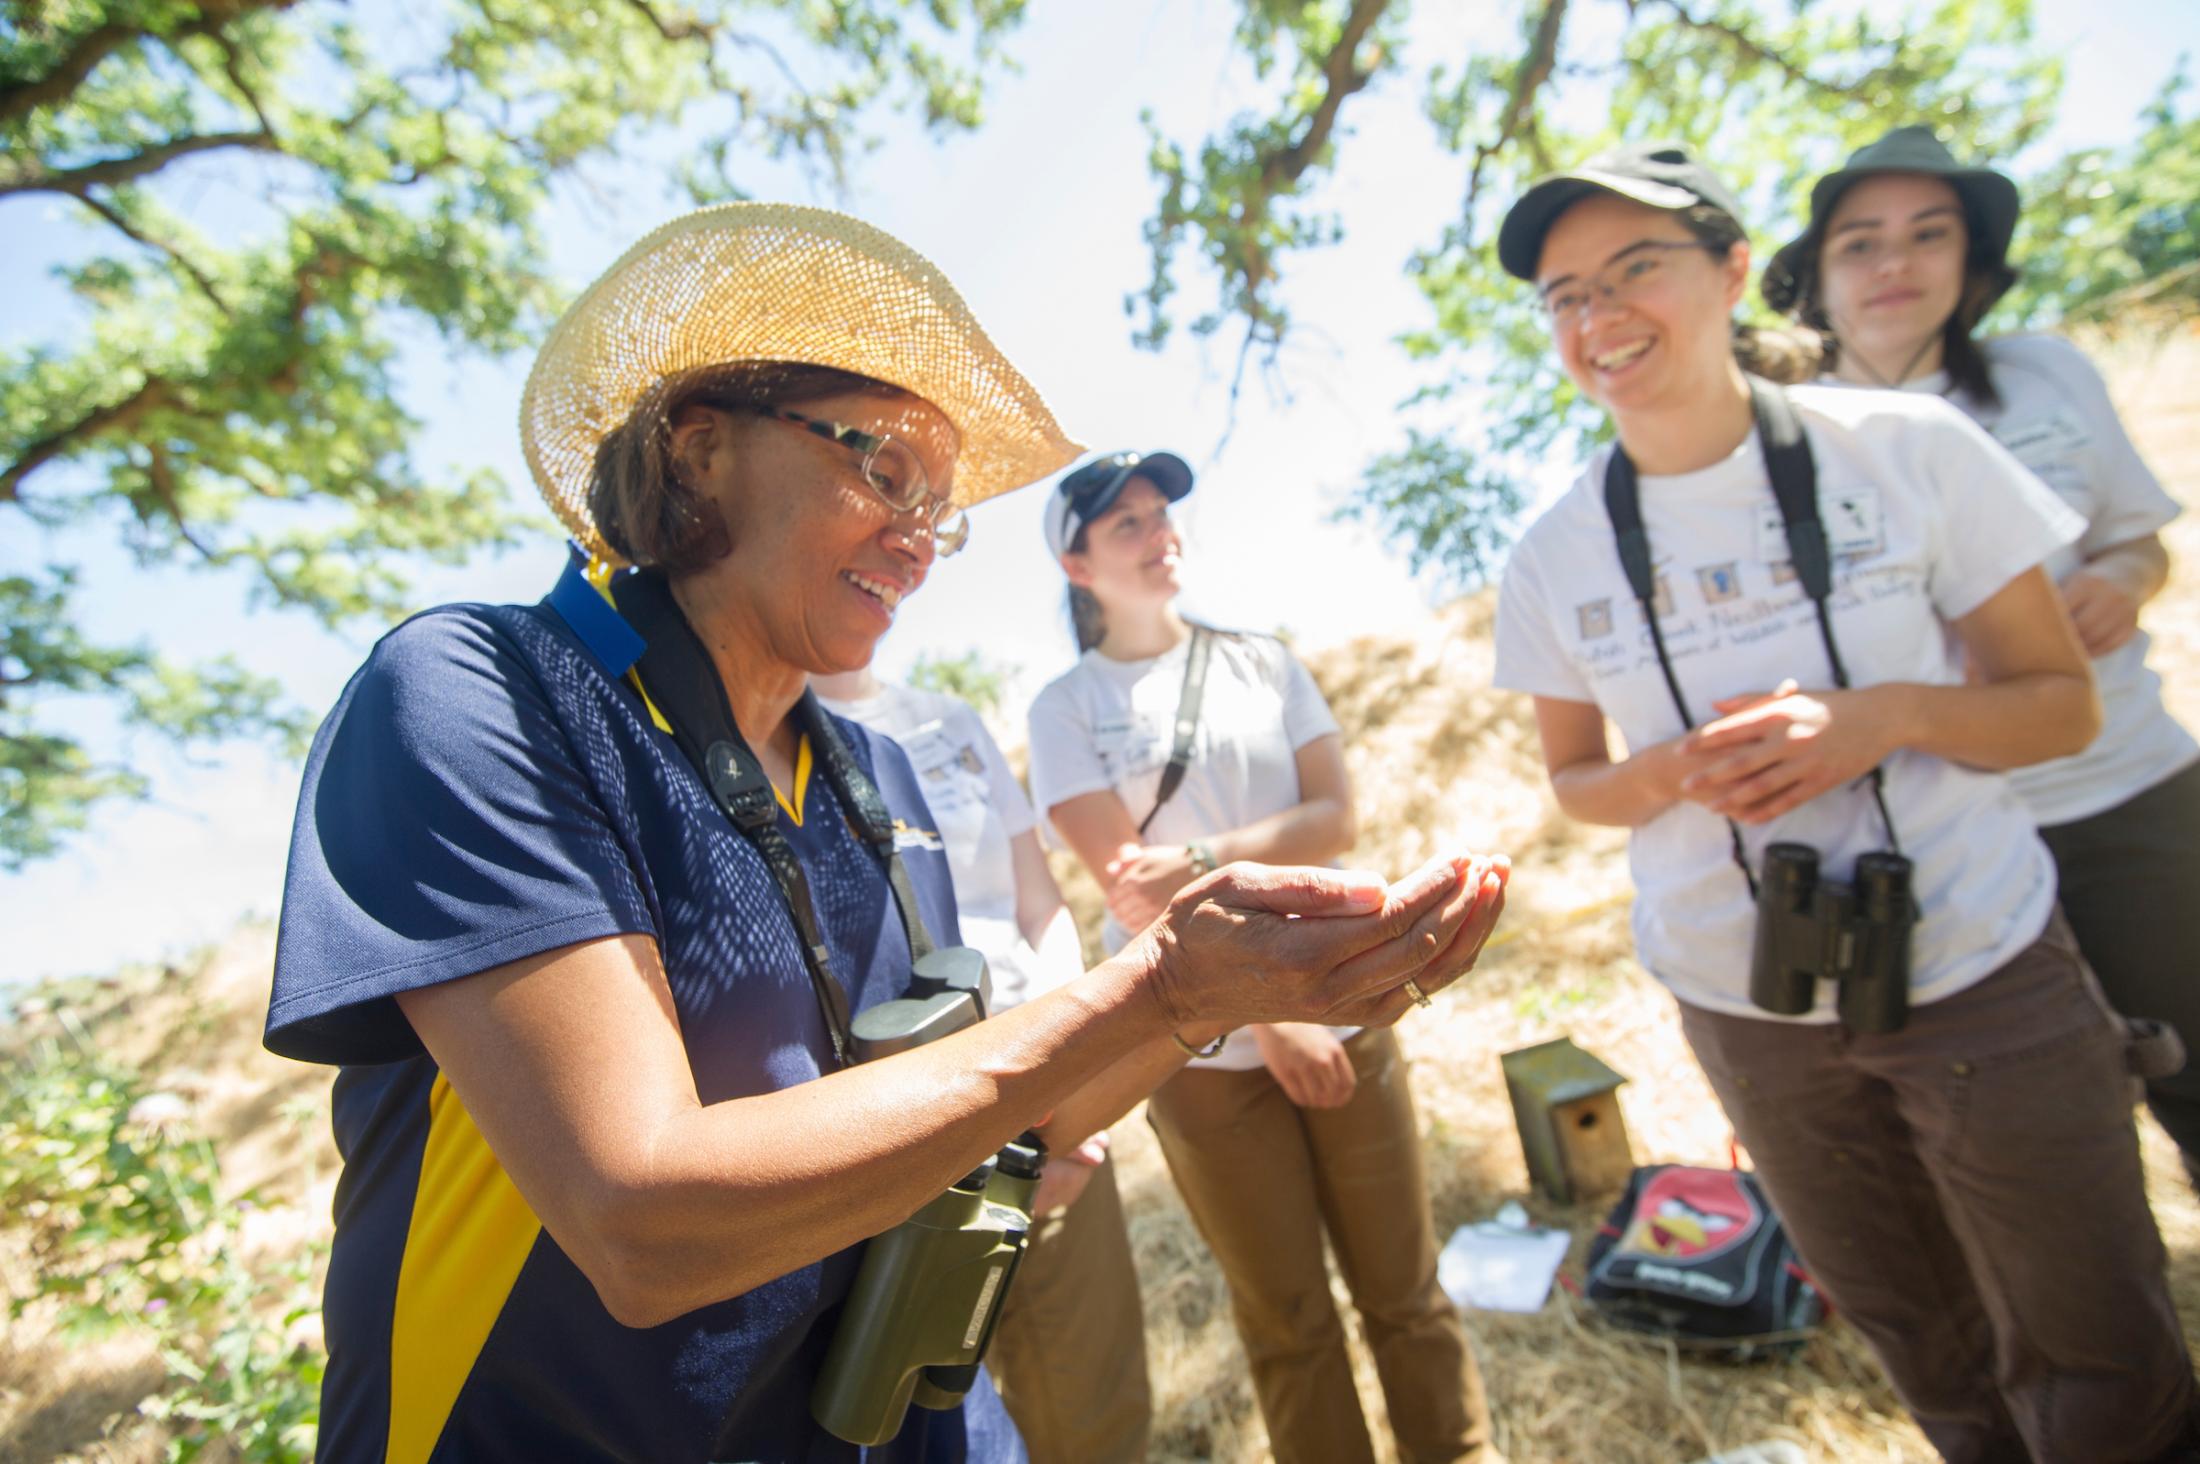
x=683, y=682
x=1187, y=720
x=1794, y=475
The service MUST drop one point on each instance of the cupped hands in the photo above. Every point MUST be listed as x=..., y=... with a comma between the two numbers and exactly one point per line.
x=1253, y=943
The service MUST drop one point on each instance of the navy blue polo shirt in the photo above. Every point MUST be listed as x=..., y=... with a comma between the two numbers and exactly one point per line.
x=487, y=789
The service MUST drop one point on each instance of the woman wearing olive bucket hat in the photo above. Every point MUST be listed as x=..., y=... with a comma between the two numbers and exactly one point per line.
x=1905, y=252
x=609, y=1172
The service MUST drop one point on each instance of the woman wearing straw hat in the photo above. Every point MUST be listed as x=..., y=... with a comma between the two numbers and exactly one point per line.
x=1905, y=253
x=1167, y=749
x=608, y=1171
x=1069, y=1350
x=1774, y=595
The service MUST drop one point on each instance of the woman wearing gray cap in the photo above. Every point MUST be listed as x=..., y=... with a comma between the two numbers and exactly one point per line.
x=1170, y=748
x=1905, y=253
x=1776, y=595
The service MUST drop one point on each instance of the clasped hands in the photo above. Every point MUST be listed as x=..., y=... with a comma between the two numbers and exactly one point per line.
x=1252, y=943
x=1771, y=752
x=1141, y=878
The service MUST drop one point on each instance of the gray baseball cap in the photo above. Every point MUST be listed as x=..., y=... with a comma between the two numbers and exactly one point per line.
x=1662, y=175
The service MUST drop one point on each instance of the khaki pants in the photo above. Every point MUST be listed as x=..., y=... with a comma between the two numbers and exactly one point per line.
x=1264, y=1179
x=1967, y=1190
x=1069, y=1352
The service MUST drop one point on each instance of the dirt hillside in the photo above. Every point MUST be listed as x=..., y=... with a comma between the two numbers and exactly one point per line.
x=1440, y=761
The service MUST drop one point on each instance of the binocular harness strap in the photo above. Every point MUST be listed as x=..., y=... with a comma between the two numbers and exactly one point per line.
x=683, y=682
x=1794, y=475
x=1187, y=720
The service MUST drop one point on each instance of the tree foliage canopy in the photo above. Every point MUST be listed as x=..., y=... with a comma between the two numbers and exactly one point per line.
x=227, y=399
x=1774, y=92
x=969, y=677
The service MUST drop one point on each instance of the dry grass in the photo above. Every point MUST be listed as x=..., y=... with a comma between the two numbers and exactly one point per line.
x=1440, y=761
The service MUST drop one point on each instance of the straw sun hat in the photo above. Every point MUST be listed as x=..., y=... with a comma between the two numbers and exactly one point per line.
x=776, y=282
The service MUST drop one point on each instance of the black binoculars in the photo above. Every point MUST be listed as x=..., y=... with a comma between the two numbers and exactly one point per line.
x=922, y=1310
x=1856, y=935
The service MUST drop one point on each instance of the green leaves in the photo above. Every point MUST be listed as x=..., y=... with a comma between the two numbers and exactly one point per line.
x=117, y=1197
x=48, y=782
x=109, y=1196
x=2108, y=230
x=1237, y=206
x=969, y=677
x=225, y=399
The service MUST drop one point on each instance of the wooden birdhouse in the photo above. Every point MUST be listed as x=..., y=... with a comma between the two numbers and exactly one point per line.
x=1566, y=1106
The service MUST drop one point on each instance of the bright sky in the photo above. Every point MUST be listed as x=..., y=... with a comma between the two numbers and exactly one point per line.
x=1036, y=218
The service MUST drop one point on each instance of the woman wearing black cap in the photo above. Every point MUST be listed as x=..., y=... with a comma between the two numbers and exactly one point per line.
x=1905, y=252
x=1945, y=1121
x=1169, y=749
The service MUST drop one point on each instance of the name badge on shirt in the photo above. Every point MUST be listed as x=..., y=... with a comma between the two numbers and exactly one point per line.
x=1128, y=746
x=949, y=770
x=2042, y=442
x=1854, y=526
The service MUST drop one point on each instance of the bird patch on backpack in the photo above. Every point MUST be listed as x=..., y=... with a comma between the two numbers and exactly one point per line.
x=1684, y=1214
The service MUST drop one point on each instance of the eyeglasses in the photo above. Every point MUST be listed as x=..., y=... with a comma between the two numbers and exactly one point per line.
x=893, y=473
x=1622, y=280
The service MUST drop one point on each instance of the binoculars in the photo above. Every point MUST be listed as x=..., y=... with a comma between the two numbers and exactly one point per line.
x=1856, y=935
x=917, y=1320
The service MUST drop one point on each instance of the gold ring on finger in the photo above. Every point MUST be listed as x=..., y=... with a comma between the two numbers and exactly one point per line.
x=1413, y=989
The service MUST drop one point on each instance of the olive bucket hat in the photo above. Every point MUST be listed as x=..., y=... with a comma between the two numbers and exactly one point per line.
x=1989, y=211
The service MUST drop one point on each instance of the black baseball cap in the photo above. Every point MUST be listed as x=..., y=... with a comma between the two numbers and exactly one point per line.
x=1091, y=490
x=1662, y=175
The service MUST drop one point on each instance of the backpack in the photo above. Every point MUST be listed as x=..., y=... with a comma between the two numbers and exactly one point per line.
x=1697, y=1256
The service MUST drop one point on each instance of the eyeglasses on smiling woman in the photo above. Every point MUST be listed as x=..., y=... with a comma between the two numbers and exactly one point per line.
x=1632, y=274
x=893, y=473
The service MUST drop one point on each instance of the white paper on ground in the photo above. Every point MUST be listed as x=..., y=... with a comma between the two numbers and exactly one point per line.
x=1500, y=1268
x=1774, y=1451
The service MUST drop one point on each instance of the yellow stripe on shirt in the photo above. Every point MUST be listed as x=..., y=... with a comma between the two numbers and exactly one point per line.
x=598, y=574
x=801, y=781
x=470, y=1234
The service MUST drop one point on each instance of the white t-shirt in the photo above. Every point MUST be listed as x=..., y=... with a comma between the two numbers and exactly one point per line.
x=1109, y=726
x=2055, y=418
x=1928, y=518
x=979, y=807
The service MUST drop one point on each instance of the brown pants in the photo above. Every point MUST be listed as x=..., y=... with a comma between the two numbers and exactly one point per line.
x=1069, y=1352
x=1264, y=1179
x=1968, y=1191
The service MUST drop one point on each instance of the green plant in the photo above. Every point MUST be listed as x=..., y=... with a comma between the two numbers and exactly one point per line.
x=969, y=677
x=126, y=1228
x=111, y=1201
x=238, y=1374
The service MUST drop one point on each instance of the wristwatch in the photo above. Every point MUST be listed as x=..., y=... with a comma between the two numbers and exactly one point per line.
x=1202, y=857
